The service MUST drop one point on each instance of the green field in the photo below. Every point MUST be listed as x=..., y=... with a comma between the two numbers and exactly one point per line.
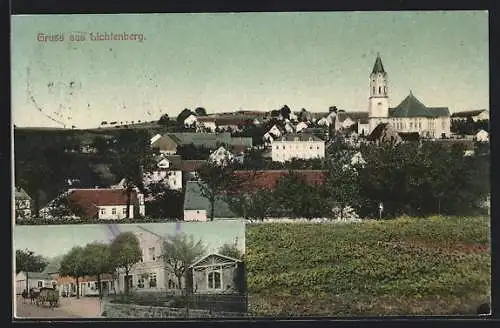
x=408, y=266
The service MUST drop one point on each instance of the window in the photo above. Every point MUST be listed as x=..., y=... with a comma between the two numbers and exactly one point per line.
x=140, y=282
x=379, y=89
x=40, y=284
x=151, y=251
x=113, y=211
x=103, y=211
x=152, y=280
x=317, y=147
x=283, y=147
x=171, y=284
x=310, y=147
x=419, y=125
x=411, y=125
x=214, y=280
x=88, y=284
x=373, y=88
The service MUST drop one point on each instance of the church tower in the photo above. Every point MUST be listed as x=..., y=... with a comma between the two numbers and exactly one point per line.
x=378, y=103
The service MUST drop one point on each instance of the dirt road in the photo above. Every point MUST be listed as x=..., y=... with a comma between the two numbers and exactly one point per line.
x=68, y=308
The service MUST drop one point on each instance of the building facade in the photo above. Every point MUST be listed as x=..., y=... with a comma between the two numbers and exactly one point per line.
x=24, y=204
x=297, y=146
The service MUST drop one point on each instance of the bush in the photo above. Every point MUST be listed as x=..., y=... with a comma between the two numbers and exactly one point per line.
x=436, y=265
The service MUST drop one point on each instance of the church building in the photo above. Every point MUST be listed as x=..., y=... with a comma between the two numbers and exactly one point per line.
x=410, y=115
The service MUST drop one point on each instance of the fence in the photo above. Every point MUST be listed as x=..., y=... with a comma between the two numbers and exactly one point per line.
x=211, y=302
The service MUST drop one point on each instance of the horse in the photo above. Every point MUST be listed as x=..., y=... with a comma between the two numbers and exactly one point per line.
x=33, y=294
x=25, y=295
x=49, y=295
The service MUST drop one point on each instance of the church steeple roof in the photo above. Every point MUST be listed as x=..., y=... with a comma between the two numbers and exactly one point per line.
x=378, y=67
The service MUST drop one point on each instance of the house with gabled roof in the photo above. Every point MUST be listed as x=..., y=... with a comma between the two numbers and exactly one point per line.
x=168, y=171
x=218, y=274
x=28, y=280
x=97, y=203
x=197, y=207
x=298, y=146
x=24, y=203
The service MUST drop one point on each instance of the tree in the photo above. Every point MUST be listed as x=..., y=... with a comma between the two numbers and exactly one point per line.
x=215, y=180
x=192, y=152
x=96, y=258
x=179, y=252
x=125, y=251
x=164, y=120
x=27, y=261
x=134, y=157
x=73, y=266
x=200, y=111
x=182, y=116
x=342, y=185
x=255, y=206
x=231, y=250
x=285, y=112
x=167, y=203
x=101, y=144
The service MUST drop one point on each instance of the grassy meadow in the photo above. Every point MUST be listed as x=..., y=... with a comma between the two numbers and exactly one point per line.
x=406, y=266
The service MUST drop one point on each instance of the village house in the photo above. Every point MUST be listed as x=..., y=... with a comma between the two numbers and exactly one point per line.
x=301, y=126
x=206, y=123
x=24, y=204
x=482, y=136
x=197, y=207
x=168, y=171
x=345, y=120
x=475, y=115
x=102, y=204
x=190, y=121
x=165, y=145
x=28, y=280
x=150, y=274
x=299, y=146
x=221, y=156
x=216, y=274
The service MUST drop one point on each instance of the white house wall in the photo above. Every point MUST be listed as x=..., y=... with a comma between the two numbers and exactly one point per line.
x=195, y=215
x=106, y=212
x=282, y=151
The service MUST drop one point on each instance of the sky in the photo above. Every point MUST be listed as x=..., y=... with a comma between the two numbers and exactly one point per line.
x=55, y=240
x=231, y=61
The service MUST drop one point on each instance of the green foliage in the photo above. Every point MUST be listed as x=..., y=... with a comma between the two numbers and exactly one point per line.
x=231, y=250
x=182, y=116
x=216, y=179
x=200, y=111
x=125, y=252
x=192, y=152
x=96, y=259
x=73, y=266
x=179, y=252
x=27, y=261
x=390, y=263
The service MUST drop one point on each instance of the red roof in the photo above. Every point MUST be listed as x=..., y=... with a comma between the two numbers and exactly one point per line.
x=88, y=200
x=192, y=165
x=255, y=180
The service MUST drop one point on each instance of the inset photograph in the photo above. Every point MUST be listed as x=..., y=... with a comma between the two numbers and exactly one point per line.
x=155, y=270
x=406, y=266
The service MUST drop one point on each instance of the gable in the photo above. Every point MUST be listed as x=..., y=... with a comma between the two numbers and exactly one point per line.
x=214, y=259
